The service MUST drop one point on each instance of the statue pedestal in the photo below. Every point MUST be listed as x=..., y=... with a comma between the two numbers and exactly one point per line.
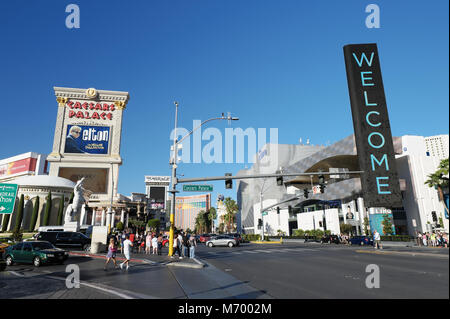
x=71, y=226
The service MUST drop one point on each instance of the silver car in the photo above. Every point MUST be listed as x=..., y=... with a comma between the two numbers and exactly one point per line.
x=222, y=241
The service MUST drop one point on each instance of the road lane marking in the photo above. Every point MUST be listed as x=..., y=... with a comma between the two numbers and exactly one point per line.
x=401, y=253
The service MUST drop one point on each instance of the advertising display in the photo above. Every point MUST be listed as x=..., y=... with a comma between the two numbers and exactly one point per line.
x=16, y=167
x=96, y=179
x=376, y=223
x=157, y=197
x=373, y=136
x=87, y=139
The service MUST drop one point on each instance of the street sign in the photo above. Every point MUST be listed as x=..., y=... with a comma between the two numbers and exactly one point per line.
x=197, y=188
x=8, y=194
x=265, y=213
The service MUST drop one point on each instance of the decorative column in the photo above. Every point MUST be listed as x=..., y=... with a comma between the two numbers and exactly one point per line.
x=83, y=215
x=103, y=217
x=94, y=215
x=59, y=125
x=122, y=216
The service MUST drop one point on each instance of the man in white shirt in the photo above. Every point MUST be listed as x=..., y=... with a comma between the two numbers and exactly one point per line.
x=377, y=240
x=126, y=251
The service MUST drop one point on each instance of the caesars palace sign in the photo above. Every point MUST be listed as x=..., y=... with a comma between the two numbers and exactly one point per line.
x=88, y=136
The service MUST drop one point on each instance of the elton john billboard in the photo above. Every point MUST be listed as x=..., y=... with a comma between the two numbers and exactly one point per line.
x=83, y=139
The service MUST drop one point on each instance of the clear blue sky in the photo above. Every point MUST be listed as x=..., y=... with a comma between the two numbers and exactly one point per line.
x=272, y=63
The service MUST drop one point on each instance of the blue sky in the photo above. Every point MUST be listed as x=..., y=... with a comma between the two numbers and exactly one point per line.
x=271, y=63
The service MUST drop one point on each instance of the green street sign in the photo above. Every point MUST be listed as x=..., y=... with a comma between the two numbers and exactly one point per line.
x=8, y=194
x=264, y=213
x=197, y=188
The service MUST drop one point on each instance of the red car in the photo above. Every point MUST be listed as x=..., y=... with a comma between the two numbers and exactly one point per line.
x=204, y=238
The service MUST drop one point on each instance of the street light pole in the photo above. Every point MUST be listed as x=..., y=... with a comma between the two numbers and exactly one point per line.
x=174, y=168
x=174, y=182
x=261, y=207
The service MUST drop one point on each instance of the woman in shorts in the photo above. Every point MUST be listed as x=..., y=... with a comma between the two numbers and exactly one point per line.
x=112, y=249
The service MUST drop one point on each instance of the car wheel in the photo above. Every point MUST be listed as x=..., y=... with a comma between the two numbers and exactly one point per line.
x=36, y=261
x=9, y=261
x=210, y=244
x=230, y=244
x=87, y=248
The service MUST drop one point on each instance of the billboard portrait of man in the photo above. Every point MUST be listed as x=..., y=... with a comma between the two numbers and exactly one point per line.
x=72, y=142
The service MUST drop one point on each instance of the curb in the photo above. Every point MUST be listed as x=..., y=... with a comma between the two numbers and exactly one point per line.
x=198, y=265
x=401, y=253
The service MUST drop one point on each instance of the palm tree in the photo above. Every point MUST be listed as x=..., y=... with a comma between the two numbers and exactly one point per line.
x=200, y=222
x=212, y=215
x=232, y=208
x=439, y=180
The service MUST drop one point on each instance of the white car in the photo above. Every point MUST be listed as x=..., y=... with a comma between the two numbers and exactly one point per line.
x=222, y=241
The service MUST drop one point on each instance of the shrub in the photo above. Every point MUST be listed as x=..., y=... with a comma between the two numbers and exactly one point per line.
x=35, y=214
x=19, y=216
x=299, y=232
x=119, y=226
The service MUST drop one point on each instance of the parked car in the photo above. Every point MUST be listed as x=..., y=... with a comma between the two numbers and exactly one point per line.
x=330, y=239
x=36, y=253
x=222, y=240
x=361, y=240
x=66, y=239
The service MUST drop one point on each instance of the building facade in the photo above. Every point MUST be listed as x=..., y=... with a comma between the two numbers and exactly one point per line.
x=342, y=201
x=187, y=208
x=27, y=164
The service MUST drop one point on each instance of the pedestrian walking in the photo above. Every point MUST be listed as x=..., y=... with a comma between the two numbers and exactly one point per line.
x=377, y=240
x=127, y=244
x=112, y=249
x=155, y=245
x=185, y=245
x=148, y=243
x=179, y=245
x=192, y=245
x=424, y=239
x=159, y=240
x=419, y=239
x=122, y=239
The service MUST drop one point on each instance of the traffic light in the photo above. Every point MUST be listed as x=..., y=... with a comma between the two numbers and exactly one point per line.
x=290, y=209
x=228, y=182
x=305, y=193
x=278, y=210
x=260, y=223
x=322, y=183
x=279, y=179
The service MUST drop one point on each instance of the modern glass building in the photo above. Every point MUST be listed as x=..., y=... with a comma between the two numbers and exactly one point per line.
x=187, y=208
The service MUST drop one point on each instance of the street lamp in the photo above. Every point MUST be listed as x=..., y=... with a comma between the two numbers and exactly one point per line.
x=173, y=163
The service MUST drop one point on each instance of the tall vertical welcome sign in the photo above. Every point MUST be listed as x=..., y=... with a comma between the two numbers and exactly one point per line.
x=373, y=136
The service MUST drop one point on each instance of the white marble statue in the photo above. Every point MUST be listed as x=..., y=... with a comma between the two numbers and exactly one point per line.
x=74, y=209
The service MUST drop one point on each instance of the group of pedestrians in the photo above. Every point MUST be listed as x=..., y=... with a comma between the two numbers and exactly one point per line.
x=184, y=245
x=150, y=243
x=435, y=239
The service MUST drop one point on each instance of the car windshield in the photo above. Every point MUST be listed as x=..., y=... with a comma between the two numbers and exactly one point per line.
x=42, y=246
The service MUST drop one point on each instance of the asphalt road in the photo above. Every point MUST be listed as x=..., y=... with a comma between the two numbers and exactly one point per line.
x=331, y=271
x=251, y=271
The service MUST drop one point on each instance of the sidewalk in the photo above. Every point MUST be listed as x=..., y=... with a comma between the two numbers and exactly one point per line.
x=163, y=259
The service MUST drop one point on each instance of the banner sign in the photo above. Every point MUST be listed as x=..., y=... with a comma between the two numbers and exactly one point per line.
x=87, y=139
x=20, y=166
x=373, y=136
x=8, y=194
